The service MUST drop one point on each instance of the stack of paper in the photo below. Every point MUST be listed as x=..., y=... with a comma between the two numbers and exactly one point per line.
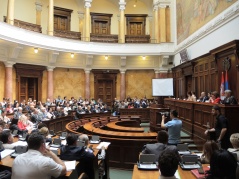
x=70, y=165
x=6, y=152
x=103, y=144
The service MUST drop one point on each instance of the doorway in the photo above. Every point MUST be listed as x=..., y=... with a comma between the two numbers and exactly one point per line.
x=28, y=88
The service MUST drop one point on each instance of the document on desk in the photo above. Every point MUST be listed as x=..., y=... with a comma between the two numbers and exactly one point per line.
x=70, y=165
x=22, y=143
x=103, y=144
x=6, y=152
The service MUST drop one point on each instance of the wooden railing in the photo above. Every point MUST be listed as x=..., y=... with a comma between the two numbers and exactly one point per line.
x=25, y=25
x=137, y=38
x=67, y=34
x=104, y=38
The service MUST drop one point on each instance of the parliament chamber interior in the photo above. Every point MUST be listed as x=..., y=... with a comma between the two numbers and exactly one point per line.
x=89, y=66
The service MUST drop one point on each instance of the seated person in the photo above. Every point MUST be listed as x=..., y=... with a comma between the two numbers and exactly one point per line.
x=229, y=99
x=38, y=162
x=203, y=97
x=18, y=113
x=215, y=98
x=24, y=124
x=208, y=148
x=222, y=165
x=73, y=152
x=160, y=146
x=7, y=139
x=168, y=164
x=45, y=132
x=3, y=117
x=234, y=139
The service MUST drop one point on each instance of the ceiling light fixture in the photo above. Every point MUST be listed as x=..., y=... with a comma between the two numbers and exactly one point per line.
x=135, y=3
x=36, y=50
x=72, y=55
x=106, y=57
x=143, y=57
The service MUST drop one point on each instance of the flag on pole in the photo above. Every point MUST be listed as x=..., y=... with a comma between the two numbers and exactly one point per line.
x=226, y=81
x=222, y=89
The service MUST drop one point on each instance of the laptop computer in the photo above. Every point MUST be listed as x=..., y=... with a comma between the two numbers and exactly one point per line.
x=24, y=137
x=63, y=135
x=183, y=149
x=190, y=162
x=147, y=162
x=56, y=143
x=19, y=150
x=95, y=139
x=15, y=133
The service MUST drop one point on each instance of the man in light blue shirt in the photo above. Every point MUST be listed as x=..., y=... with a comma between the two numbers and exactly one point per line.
x=174, y=127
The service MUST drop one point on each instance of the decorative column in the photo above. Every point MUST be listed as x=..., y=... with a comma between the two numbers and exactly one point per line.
x=87, y=84
x=163, y=30
x=38, y=12
x=122, y=4
x=50, y=87
x=156, y=24
x=87, y=20
x=81, y=24
x=122, y=84
x=51, y=18
x=150, y=18
x=8, y=79
x=10, y=12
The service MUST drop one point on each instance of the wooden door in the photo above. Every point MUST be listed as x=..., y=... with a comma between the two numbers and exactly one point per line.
x=28, y=88
x=60, y=23
x=101, y=27
x=105, y=91
x=136, y=28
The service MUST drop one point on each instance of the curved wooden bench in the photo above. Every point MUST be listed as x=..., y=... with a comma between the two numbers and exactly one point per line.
x=116, y=126
x=124, y=149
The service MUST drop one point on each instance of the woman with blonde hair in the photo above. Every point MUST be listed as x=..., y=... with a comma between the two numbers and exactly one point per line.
x=208, y=149
x=24, y=123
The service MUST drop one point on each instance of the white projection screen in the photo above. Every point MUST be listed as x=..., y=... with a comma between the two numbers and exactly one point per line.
x=162, y=87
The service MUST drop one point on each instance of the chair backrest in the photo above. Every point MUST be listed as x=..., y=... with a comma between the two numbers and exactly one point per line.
x=147, y=158
x=64, y=134
x=14, y=133
x=95, y=138
x=21, y=149
x=182, y=147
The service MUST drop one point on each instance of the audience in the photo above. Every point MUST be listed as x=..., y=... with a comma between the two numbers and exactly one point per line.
x=174, y=127
x=168, y=164
x=234, y=139
x=160, y=146
x=223, y=165
x=208, y=149
x=38, y=162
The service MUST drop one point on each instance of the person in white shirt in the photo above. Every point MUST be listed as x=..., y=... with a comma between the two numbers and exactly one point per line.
x=39, y=162
x=66, y=109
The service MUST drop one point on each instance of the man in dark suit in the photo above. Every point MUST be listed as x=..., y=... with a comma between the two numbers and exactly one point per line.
x=203, y=97
x=160, y=146
x=229, y=99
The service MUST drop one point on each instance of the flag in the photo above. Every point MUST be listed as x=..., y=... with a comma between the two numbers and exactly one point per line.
x=226, y=81
x=222, y=94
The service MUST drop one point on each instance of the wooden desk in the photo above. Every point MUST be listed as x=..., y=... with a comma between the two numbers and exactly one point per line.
x=154, y=174
x=116, y=126
x=142, y=112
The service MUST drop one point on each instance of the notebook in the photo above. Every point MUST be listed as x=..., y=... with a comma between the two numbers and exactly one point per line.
x=190, y=162
x=95, y=139
x=19, y=150
x=183, y=149
x=198, y=175
x=147, y=162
